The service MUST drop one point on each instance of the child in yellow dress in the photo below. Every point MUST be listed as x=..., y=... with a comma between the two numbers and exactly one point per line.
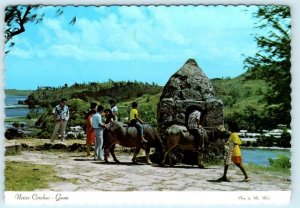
x=233, y=153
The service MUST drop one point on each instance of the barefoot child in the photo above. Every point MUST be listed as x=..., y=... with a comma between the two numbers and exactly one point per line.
x=234, y=153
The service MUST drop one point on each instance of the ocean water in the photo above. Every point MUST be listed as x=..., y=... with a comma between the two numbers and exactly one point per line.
x=16, y=111
x=261, y=156
x=11, y=100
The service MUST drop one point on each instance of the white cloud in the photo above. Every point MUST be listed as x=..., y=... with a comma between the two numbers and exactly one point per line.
x=132, y=12
x=20, y=53
x=144, y=33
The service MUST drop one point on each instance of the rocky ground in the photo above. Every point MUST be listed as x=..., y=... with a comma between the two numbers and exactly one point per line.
x=90, y=175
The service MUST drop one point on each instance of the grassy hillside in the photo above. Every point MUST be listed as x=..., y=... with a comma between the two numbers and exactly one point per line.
x=243, y=101
x=238, y=93
x=100, y=92
x=18, y=92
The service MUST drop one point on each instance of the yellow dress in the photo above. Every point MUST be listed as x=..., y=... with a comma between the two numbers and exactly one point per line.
x=234, y=137
x=233, y=149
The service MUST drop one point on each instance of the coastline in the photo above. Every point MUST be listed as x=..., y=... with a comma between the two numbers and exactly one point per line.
x=17, y=106
x=267, y=148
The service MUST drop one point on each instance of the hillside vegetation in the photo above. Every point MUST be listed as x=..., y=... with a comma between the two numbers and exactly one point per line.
x=239, y=93
x=99, y=92
x=80, y=95
x=242, y=100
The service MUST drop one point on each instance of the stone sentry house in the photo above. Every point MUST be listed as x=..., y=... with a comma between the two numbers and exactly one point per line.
x=188, y=86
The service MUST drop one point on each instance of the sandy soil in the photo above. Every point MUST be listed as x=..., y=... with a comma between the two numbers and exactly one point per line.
x=90, y=175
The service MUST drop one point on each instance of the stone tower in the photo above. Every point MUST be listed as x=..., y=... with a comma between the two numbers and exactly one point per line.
x=188, y=86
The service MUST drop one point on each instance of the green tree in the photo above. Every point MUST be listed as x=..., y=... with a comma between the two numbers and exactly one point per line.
x=78, y=109
x=272, y=61
x=18, y=16
x=285, y=139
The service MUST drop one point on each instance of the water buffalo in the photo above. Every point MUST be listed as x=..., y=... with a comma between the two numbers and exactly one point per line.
x=124, y=135
x=179, y=137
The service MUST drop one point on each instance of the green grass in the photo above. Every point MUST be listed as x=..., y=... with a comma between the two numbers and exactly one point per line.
x=271, y=169
x=282, y=162
x=21, y=176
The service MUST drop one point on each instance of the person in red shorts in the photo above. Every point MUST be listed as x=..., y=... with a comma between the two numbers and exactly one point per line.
x=234, y=153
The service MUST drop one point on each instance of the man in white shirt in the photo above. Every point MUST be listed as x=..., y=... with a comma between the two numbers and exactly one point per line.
x=98, y=126
x=61, y=117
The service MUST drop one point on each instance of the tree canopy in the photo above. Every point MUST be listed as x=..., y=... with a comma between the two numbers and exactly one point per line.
x=17, y=16
x=272, y=61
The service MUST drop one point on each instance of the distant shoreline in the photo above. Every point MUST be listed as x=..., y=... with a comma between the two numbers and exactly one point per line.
x=266, y=148
x=16, y=106
x=15, y=92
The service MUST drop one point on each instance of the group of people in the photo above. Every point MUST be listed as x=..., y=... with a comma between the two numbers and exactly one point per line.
x=95, y=127
x=94, y=124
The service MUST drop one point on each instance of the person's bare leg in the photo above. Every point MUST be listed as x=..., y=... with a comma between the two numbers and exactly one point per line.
x=88, y=149
x=244, y=172
x=224, y=177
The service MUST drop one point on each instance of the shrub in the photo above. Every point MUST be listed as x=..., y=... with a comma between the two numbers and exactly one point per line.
x=266, y=141
x=281, y=162
x=80, y=136
x=70, y=136
x=32, y=114
x=16, y=124
x=285, y=140
x=44, y=135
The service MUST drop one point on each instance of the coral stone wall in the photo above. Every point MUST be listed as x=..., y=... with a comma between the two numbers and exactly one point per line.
x=188, y=86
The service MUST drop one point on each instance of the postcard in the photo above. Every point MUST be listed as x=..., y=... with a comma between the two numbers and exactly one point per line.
x=149, y=103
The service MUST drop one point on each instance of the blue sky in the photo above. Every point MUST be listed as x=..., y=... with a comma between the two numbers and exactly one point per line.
x=146, y=44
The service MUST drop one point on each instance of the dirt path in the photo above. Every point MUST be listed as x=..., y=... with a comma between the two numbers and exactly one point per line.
x=90, y=175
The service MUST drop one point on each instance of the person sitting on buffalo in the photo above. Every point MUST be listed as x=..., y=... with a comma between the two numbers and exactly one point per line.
x=136, y=121
x=194, y=126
